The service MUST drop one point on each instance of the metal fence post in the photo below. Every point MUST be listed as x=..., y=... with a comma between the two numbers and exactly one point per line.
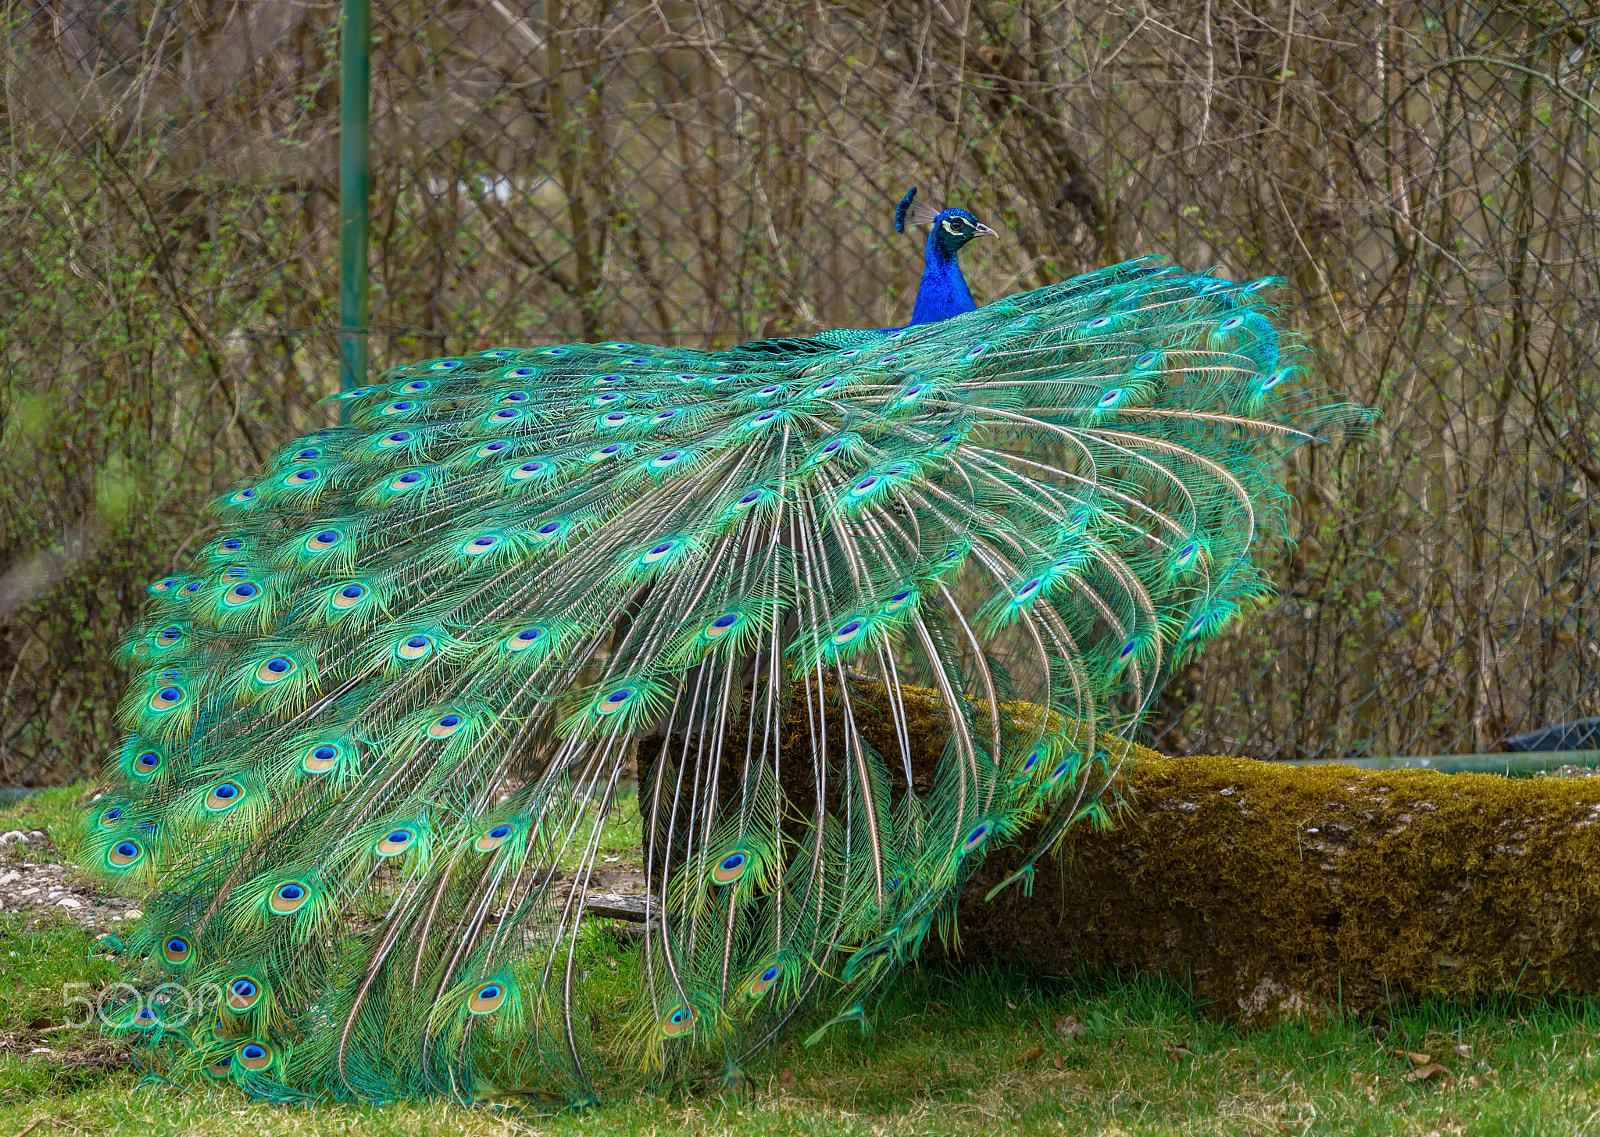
x=355, y=74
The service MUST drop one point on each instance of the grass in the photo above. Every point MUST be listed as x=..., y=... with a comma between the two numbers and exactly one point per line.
x=57, y=811
x=955, y=1050
x=956, y=1053
x=620, y=838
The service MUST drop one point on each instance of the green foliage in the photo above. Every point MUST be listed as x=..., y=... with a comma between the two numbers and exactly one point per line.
x=125, y=398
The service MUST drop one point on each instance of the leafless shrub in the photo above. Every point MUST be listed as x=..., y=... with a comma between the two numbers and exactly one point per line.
x=702, y=173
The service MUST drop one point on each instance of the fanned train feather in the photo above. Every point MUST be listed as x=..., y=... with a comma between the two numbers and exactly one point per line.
x=861, y=605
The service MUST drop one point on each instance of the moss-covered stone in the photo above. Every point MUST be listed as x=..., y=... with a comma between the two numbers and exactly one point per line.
x=1274, y=890
x=1279, y=890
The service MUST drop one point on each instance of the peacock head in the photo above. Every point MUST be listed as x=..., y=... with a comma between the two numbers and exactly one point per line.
x=951, y=228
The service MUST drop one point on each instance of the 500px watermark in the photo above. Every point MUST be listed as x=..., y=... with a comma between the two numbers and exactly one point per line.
x=170, y=1004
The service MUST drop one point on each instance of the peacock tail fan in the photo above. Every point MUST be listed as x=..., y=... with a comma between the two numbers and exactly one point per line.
x=862, y=606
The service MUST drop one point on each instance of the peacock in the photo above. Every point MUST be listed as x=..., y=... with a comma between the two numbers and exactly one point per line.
x=942, y=292
x=857, y=607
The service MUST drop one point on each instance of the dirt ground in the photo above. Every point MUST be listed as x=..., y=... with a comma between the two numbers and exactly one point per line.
x=42, y=882
x=34, y=880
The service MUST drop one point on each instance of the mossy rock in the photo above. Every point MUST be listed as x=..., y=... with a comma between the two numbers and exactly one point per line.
x=1275, y=891
x=1279, y=891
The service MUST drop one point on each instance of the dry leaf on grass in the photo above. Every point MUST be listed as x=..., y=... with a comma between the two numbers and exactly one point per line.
x=1415, y=1057
x=1032, y=1054
x=1070, y=1027
x=1431, y=1070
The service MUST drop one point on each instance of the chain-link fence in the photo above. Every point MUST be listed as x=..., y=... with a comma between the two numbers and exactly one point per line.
x=705, y=171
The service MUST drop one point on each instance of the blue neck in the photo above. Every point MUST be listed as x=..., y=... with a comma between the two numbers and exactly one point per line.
x=943, y=292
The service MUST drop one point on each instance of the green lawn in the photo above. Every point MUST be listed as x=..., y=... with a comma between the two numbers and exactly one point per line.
x=959, y=1051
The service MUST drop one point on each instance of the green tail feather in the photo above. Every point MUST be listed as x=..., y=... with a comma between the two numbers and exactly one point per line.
x=401, y=686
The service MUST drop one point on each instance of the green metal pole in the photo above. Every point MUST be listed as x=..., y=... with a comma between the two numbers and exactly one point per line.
x=355, y=75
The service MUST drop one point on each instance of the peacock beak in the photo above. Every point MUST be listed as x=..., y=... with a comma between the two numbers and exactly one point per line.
x=984, y=231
